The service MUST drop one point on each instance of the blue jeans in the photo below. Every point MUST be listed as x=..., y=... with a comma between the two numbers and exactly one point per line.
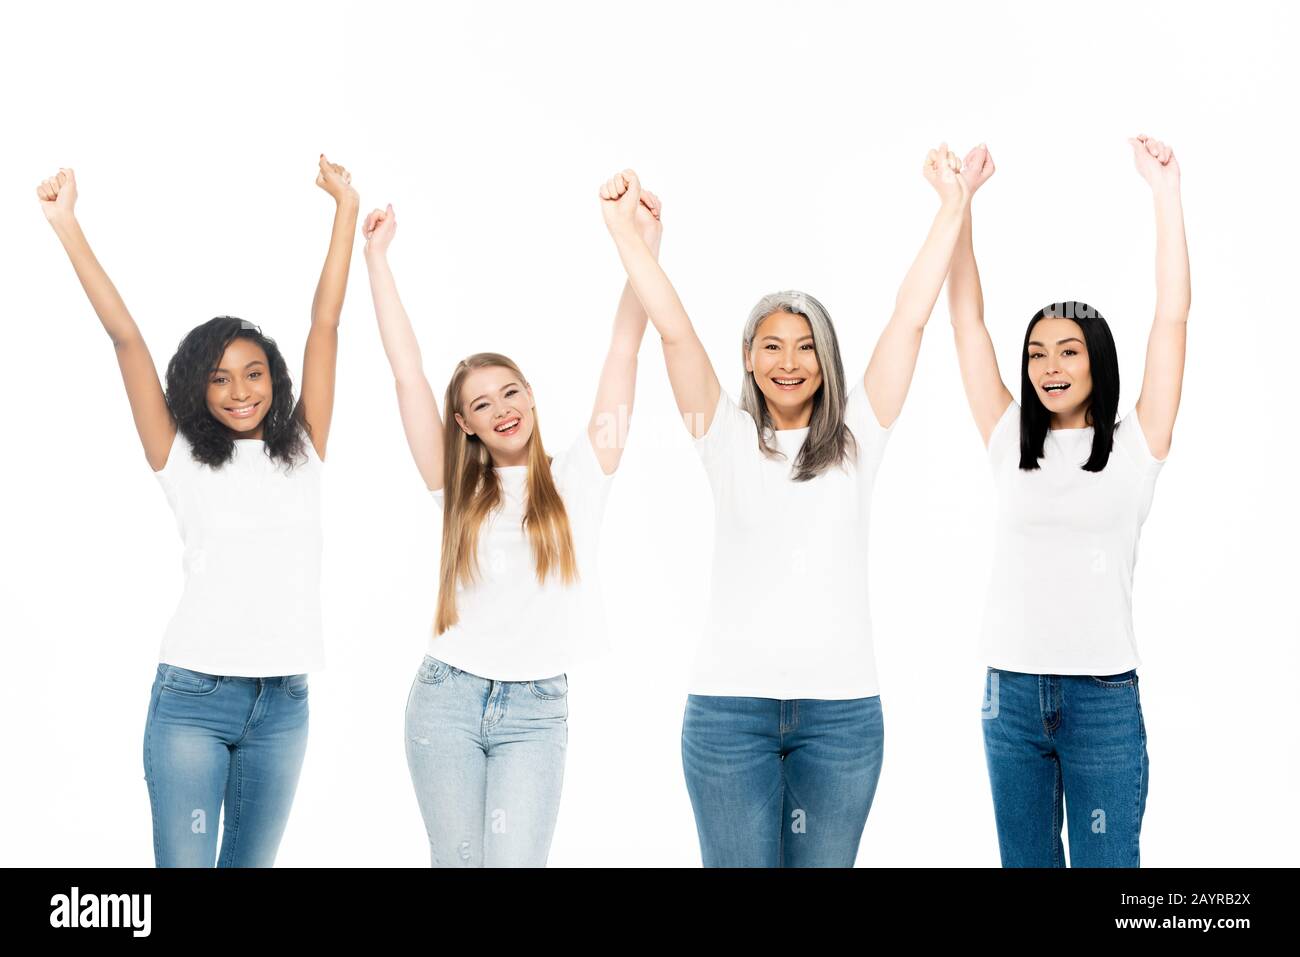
x=215, y=738
x=781, y=783
x=487, y=761
x=1077, y=737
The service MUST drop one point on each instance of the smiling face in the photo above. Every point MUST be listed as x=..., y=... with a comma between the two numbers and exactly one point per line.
x=239, y=389
x=1060, y=371
x=498, y=408
x=783, y=359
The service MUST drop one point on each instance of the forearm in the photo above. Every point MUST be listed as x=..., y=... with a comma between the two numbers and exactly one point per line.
x=327, y=304
x=1173, y=273
x=101, y=292
x=920, y=287
x=400, y=344
x=965, y=294
x=617, y=387
x=629, y=324
x=653, y=289
x=618, y=376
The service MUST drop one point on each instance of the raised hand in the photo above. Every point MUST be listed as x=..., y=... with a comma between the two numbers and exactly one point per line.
x=58, y=195
x=335, y=180
x=379, y=229
x=942, y=170
x=620, y=196
x=1155, y=161
x=648, y=222
x=977, y=168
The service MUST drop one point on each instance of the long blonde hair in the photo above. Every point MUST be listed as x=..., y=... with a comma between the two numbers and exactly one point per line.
x=471, y=490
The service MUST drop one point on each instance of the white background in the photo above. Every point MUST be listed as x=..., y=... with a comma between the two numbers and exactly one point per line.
x=786, y=142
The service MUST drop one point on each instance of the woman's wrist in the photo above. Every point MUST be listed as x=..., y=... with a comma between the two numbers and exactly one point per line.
x=1166, y=192
x=626, y=234
x=62, y=220
x=955, y=207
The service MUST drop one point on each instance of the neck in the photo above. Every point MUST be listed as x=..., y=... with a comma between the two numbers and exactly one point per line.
x=510, y=461
x=790, y=418
x=1076, y=419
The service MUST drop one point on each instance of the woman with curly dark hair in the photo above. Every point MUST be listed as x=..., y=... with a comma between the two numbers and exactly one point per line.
x=240, y=463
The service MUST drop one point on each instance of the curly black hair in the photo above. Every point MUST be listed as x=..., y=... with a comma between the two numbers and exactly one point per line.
x=188, y=372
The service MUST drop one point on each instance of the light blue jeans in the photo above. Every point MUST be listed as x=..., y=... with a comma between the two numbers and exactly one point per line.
x=781, y=783
x=1073, y=738
x=487, y=762
x=211, y=739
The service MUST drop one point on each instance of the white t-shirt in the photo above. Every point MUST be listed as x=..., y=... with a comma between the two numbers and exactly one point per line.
x=511, y=627
x=252, y=560
x=1060, y=595
x=789, y=616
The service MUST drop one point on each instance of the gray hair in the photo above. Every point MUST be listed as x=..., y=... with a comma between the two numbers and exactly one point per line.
x=828, y=437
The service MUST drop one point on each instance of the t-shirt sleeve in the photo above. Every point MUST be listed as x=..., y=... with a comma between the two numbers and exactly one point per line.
x=731, y=425
x=1130, y=437
x=578, y=468
x=176, y=464
x=437, y=497
x=870, y=435
x=1005, y=439
x=581, y=481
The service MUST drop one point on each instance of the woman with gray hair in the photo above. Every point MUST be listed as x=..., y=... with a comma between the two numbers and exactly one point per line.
x=783, y=734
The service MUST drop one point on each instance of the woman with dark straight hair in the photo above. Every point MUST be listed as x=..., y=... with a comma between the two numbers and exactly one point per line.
x=1062, y=716
x=783, y=733
x=240, y=462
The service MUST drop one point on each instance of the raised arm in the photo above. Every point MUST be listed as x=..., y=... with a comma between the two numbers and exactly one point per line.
x=1162, y=382
x=889, y=374
x=617, y=389
x=153, y=420
x=695, y=384
x=321, y=356
x=986, y=393
x=419, y=409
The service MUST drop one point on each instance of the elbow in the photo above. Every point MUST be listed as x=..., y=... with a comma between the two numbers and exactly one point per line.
x=623, y=353
x=125, y=343
x=409, y=375
x=672, y=343
x=326, y=315
x=964, y=310
x=1174, y=313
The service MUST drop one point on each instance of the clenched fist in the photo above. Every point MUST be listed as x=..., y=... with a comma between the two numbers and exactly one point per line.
x=977, y=167
x=58, y=194
x=942, y=170
x=335, y=180
x=1155, y=161
x=620, y=196
x=379, y=229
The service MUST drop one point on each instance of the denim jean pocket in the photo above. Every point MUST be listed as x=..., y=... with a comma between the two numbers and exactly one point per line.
x=432, y=671
x=990, y=705
x=187, y=682
x=296, y=686
x=549, y=689
x=1125, y=679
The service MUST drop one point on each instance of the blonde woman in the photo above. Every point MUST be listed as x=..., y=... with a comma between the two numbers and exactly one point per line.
x=518, y=601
